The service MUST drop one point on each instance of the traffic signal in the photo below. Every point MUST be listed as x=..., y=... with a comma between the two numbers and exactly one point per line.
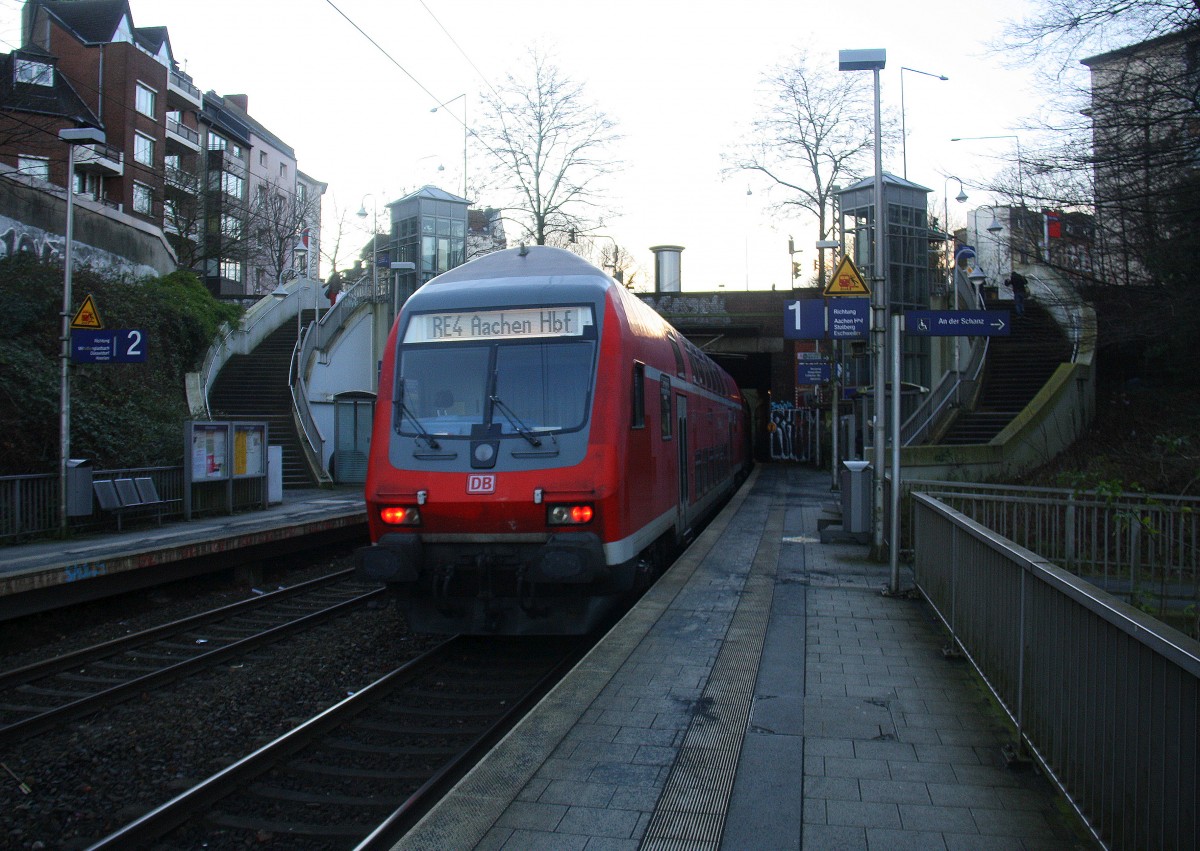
x=795, y=269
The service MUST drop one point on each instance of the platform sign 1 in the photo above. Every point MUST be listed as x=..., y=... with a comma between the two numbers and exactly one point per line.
x=116, y=346
x=957, y=323
x=814, y=319
x=804, y=319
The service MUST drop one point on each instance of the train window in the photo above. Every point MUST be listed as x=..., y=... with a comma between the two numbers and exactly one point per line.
x=678, y=358
x=639, y=396
x=664, y=399
x=544, y=386
x=443, y=389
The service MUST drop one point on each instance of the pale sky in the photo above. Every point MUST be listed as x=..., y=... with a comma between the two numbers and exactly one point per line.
x=681, y=79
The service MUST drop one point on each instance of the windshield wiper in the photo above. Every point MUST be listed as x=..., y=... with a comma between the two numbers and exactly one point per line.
x=515, y=422
x=404, y=411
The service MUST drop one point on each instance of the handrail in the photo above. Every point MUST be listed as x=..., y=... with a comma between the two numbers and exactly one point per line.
x=313, y=440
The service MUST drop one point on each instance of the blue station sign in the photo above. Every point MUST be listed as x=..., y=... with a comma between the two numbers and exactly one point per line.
x=116, y=346
x=957, y=323
x=812, y=372
x=841, y=319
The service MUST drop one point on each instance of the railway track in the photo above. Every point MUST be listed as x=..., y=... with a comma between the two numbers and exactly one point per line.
x=360, y=773
x=44, y=695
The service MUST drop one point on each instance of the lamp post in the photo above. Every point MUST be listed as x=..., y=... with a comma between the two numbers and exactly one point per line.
x=950, y=281
x=362, y=214
x=960, y=198
x=1020, y=170
x=73, y=137
x=873, y=60
x=903, y=126
x=463, y=96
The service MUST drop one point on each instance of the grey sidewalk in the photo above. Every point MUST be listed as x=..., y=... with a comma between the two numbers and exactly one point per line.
x=763, y=695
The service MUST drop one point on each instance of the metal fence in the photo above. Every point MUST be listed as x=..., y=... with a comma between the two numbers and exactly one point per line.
x=1144, y=548
x=1103, y=696
x=29, y=504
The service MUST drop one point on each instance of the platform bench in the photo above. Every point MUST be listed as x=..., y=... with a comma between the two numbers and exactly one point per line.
x=126, y=496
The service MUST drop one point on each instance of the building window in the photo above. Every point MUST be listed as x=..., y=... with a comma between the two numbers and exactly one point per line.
x=231, y=226
x=232, y=184
x=143, y=199
x=38, y=167
x=34, y=73
x=217, y=143
x=231, y=270
x=143, y=149
x=262, y=158
x=283, y=169
x=146, y=100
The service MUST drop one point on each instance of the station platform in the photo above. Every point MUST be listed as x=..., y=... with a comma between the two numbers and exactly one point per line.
x=764, y=694
x=48, y=573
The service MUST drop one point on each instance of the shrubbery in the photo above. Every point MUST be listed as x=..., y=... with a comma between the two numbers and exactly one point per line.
x=121, y=414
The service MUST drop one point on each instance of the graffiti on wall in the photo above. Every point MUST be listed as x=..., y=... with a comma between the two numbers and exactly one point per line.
x=21, y=238
x=794, y=433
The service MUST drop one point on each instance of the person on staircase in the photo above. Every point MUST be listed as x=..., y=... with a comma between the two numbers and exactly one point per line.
x=1020, y=288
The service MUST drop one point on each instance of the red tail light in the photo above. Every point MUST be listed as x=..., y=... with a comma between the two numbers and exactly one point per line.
x=400, y=515
x=570, y=515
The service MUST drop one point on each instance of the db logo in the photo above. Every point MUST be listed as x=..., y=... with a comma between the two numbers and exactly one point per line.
x=477, y=483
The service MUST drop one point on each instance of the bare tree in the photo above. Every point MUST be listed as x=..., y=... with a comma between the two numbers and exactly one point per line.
x=550, y=147
x=815, y=131
x=1066, y=30
x=277, y=217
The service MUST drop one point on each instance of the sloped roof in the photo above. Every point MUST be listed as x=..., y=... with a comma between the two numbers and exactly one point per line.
x=60, y=100
x=430, y=192
x=92, y=21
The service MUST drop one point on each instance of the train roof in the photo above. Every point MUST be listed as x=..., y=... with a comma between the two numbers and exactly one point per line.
x=523, y=262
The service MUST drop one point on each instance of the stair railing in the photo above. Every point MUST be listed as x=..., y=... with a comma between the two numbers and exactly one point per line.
x=312, y=441
x=317, y=336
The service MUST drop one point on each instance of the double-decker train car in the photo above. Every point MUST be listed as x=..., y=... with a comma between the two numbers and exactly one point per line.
x=543, y=441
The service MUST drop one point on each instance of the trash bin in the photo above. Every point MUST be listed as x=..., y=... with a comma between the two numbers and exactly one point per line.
x=79, y=487
x=856, y=496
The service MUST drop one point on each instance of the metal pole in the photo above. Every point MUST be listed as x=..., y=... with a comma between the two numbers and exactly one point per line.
x=879, y=327
x=64, y=425
x=834, y=410
x=894, y=537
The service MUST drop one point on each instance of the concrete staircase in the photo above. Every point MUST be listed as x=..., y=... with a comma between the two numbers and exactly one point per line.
x=254, y=387
x=1017, y=367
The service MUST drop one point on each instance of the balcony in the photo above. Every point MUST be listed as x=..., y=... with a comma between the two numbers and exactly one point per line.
x=185, y=181
x=100, y=158
x=181, y=85
x=183, y=134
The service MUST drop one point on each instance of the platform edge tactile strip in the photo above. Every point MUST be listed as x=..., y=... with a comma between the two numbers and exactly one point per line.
x=708, y=759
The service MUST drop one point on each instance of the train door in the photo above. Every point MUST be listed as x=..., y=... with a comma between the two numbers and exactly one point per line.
x=684, y=474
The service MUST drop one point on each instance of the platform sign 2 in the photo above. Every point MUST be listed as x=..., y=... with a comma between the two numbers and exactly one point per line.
x=117, y=346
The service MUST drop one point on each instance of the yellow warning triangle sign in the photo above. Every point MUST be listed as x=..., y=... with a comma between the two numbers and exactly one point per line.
x=846, y=280
x=87, y=316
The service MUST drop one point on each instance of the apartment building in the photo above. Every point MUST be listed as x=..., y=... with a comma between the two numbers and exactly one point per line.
x=193, y=166
x=1146, y=148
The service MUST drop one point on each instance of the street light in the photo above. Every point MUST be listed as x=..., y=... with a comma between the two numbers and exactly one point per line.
x=874, y=60
x=362, y=214
x=1020, y=170
x=73, y=137
x=903, y=127
x=960, y=198
x=463, y=96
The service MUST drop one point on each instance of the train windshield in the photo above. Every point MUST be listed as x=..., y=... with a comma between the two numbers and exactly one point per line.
x=510, y=387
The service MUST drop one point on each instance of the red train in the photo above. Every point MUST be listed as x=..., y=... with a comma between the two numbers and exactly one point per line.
x=543, y=441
